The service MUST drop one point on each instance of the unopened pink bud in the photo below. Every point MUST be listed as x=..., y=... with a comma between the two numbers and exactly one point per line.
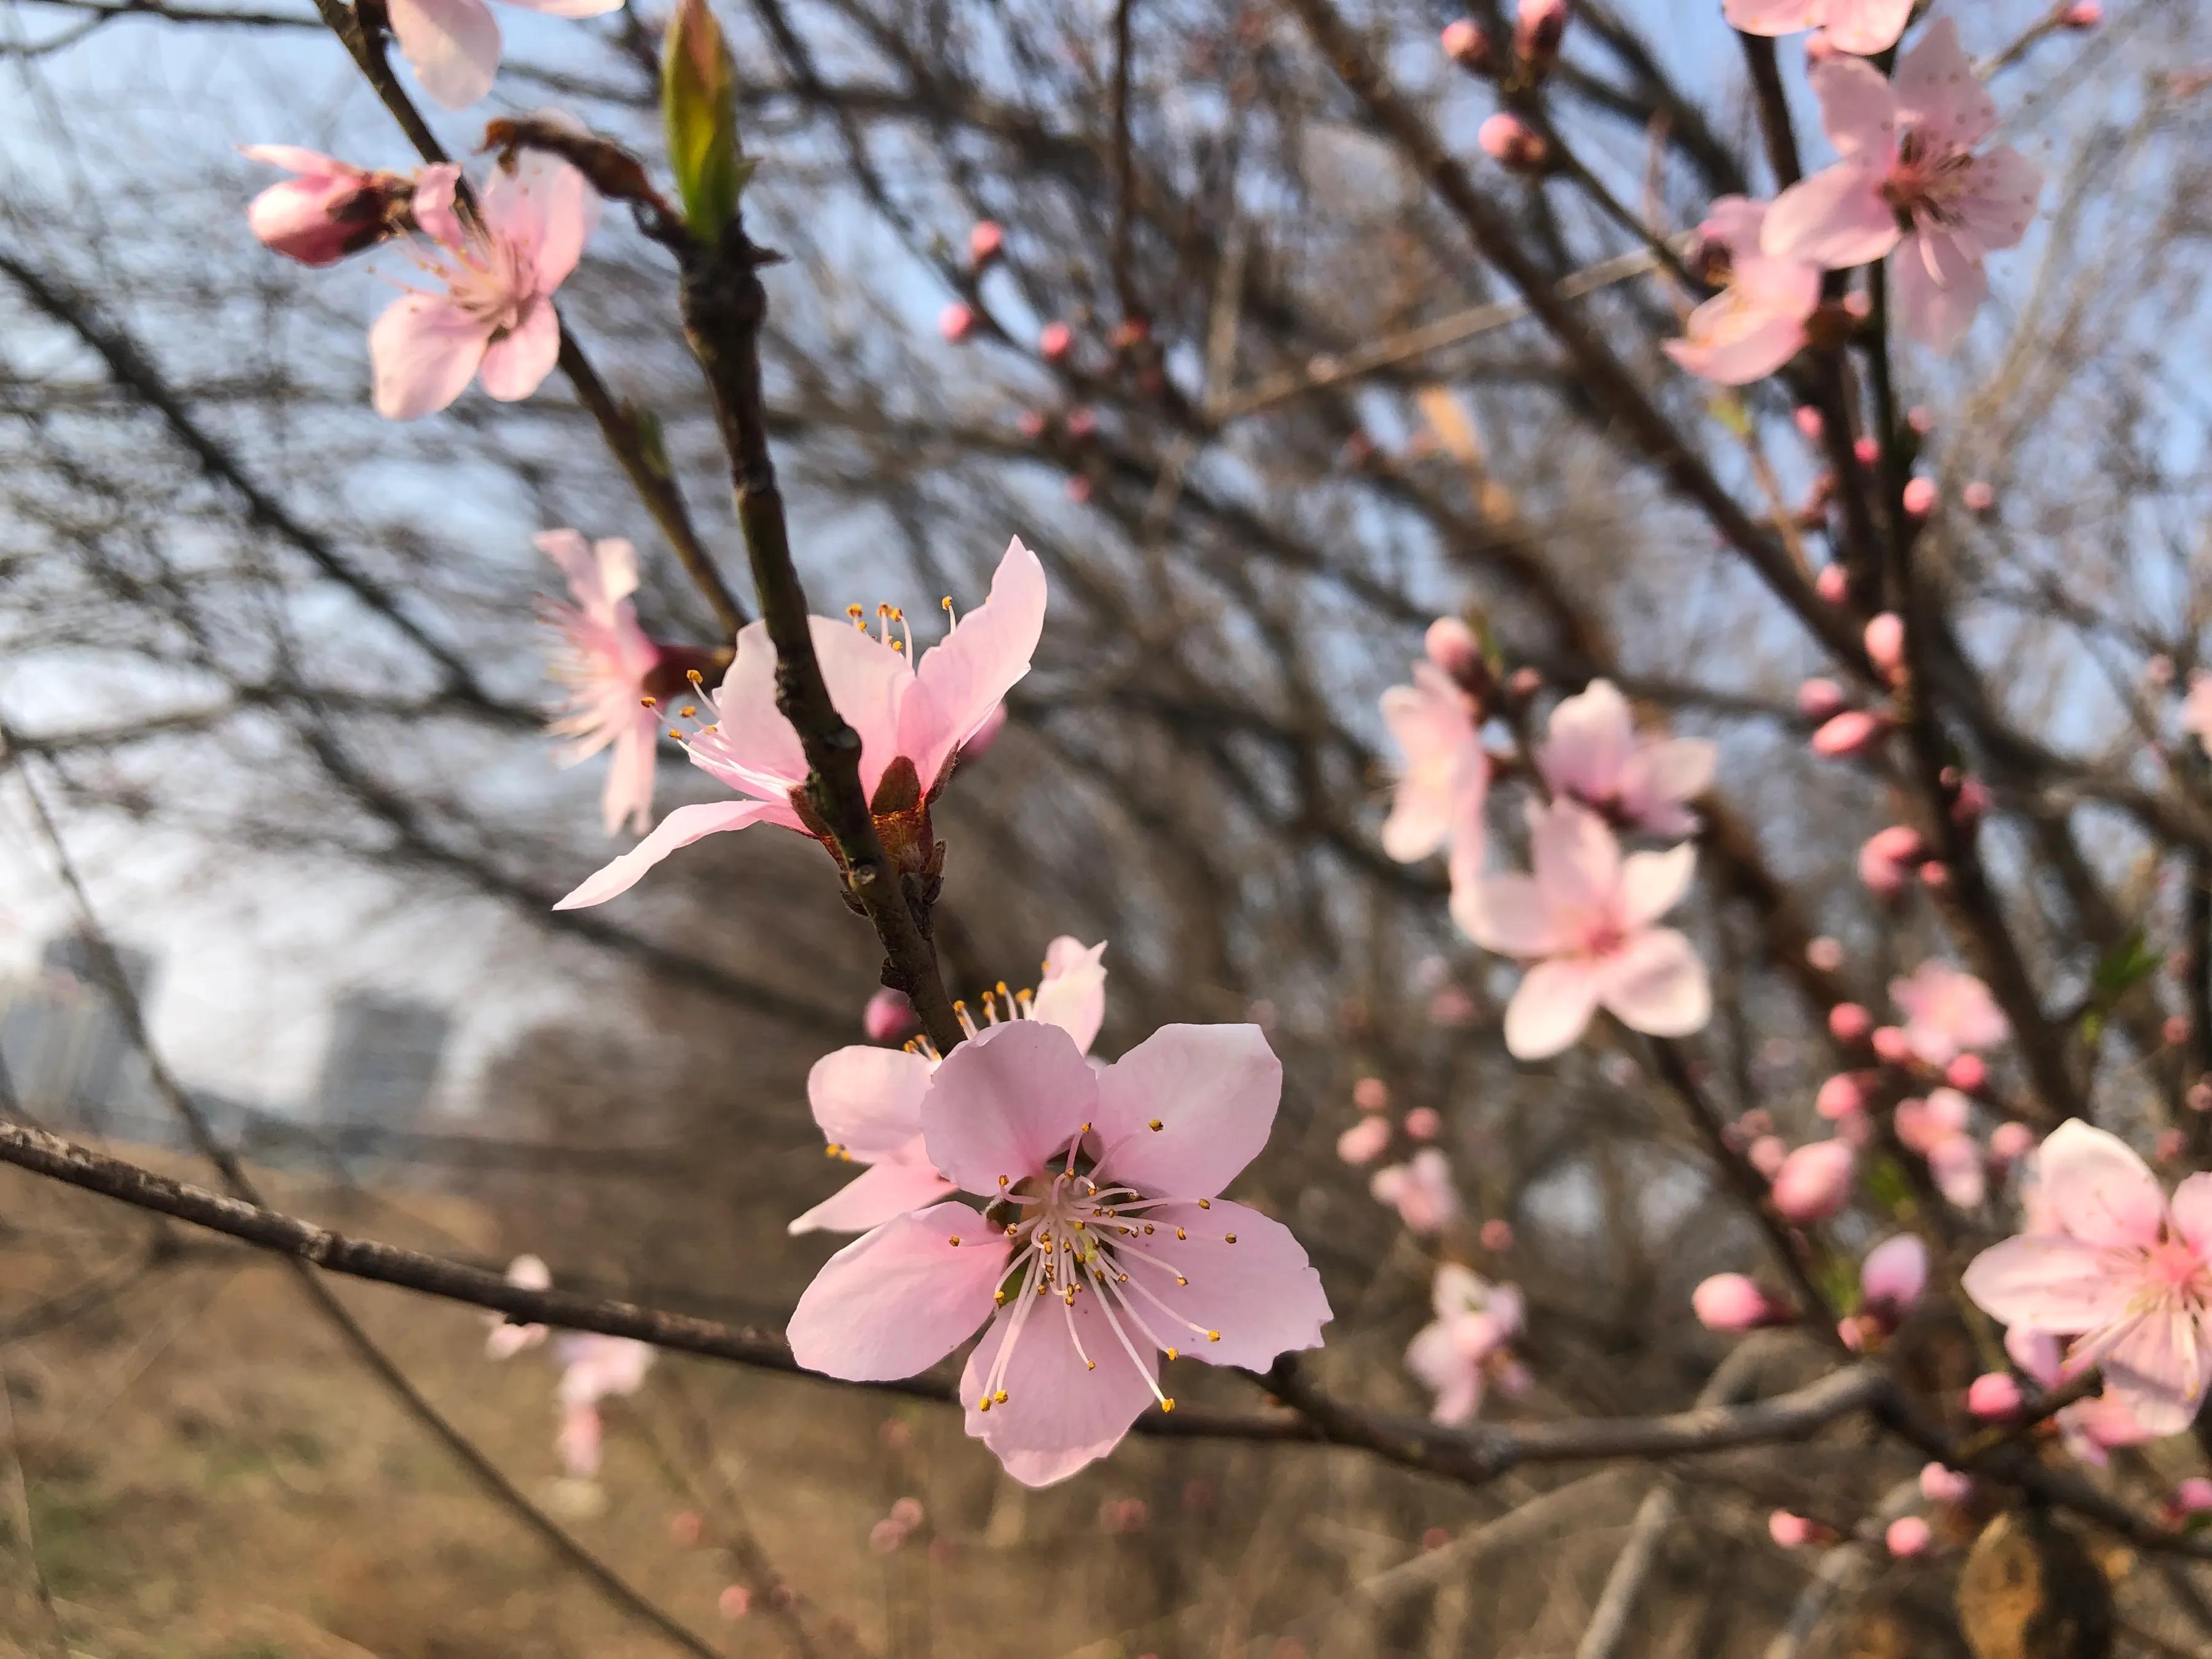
x=1908, y=1536
x=1994, y=1395
x=1970, y=803
x=1810, y=426
x=1887, y=856
x=1855, y=732
x=1980, y=499
x=1513, y=144
x=1824, y=953
x=2175, y=1030
x=1921, y=419
x=1968, y=1073
x=2011, y=1142
x=685, y=1527
x=2198, y=1097
x=1055, y=341
x=1767, y=1154
x=1935, y=873
x=2193, y=1495
x=957, y=322
x=2169, y=1145
x=1537, y=31
x=986, y=242
x=1885, y=644
x=1363, y=1142
x=734, y=1603
x=908, y=1512
x=1525, y=682
x=1815, y=1182
x=1849, y=1023
x=1821, y=699
x=1891, y=1044
x=1731, y=1301
x=1467, y=43
x=2082, y=15
x=1372, y=1094
x=1920, y=497
x=1497, y=1236
x=1791, y=1532
x=1451, y=645
x=890, y=1016
x=1078, y=490
x=1032, y=423
x=885, y=1536
x=1423, y=1123
x=331, y=208
x=1866, y=451
x=1940, y=1484
x=1833, y=584
x=1840, y=1096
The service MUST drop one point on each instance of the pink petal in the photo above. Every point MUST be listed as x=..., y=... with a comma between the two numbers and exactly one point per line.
x=1859, y=112
x=754, y=749
x=1999, y=203
x=1937, y=310
x=1955, y=1162
x=2097, y=1189
x=2040, y=1281
x=1652, y=883
x=1211, y=1089
x=627, y=796
x=2157, y=1365
x=1836, y=218
x=1434, y=1357
x=899, y=1299
x=868, y=1100
x=1866, y=27
x=679, y=828
x=568, y=8
x=1072, y=994
x=294, y=158
x=1592, y=736
x=516, y=364
x=1060, y=1414
x=867, y=682
x=1672, y=769
x=878, y=1193
x=1733, y=222
x=967, y=672
x=1578, y=866
x=1430, y=722
x=1731, y=344
x=452, y=44
x=1895, y=1272
x=1004, y=1102
x=423, y=351
x=1551, y=1009
x=1261, y=1292
x=437, y=188
x=568, y=549
x=546, y=208
x=1773, y=17
x=2191, y=1209
x=1505, y=914
x=1938, y=93
x=2039, y=1354
x=1656, y=985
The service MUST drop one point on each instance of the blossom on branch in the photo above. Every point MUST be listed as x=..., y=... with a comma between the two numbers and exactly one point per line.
x=495, y=317
x=1910, y=179
x=1100, y=1241
x=868, y=1100
x=452, y=46
x=1468, y=1345
x=1585, y=922
x=911, y=718
x=1946, y=1012
x=1597, y=756
x=1421, y=1190
x=1445, y=778
x=1860, y=26
x=1756, y=324
x=329, y=209
x=605, y=663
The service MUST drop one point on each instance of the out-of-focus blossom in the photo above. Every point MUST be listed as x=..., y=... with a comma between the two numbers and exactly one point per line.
x=1994, y=1395
x=452, y=46
x=1497, y=1236
x=1907, y=1536
x=1978, y=497
x=1423, y=1123
x=1940, y=1484
x=1946, y=1012
x=957, y=322
x=1467, y=43
x=1968, y=1073
x=1853, y=733
x=1888, y=856
x=1465, y=1345
x=1849, y=1023
x=1372, y=1094
x=1885, y=644
x=1538, y=26
x=1824, y=953
x=1819, y=699
x=2011, y=1142
x=890, y=1016
x=1815, y=1182
x=1790, y=1531
x=986, y=239
x=1919, y=498
x=1756, y=323
x=1055, y=341
x=1767, y=1155
x=507, y=1339
x=1840, y=1096
x=1893, y=1275
x=1586, y=923
x=331, y=209
x=1513, y=144
x=1420, y=1189
x=1596, y=756
x=2092, y=1429
x=1734, y=1301
x=1444, y=777
x=1833, y=584
x=605, y=663
x=1007, y=1116
x=1364, y=1141
x=911, y=718
x=2197, y=708
x=1910, y=180
x=734, y=1603
x=1863, y=27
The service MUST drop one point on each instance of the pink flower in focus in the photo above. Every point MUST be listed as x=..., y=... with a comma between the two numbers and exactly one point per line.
x=2124, y=1273
x=1756, y=324
x=1445, y=777
x=1815, y=1182
x=331, y=208
x=1364, y=1141
x=1864, y=27
x=1909, y=180
x=1466, y=1344
x=1101, y=1188
x=605, y=666
x=1946, y=1012
x=867, y=1100
x=452, y=46
x=495, y=318
x=909, y=716
x=1421, y=1190
x=1596, y=756
x=1585, y=921
x=506, y=1338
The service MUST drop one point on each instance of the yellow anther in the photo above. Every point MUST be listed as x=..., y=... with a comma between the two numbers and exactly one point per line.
x=1229, y=1239
x=687, y=713
x=1077, y=1226
x=954, y=1239
x=1148, y=1228
x=999, y=1298
x=1205, y=1203
x=855, y=613
x=1000, y=1396
x=676, y=734
x=1155, y=1125
x=1167, y=1404
x=1086, y=1128
x=1180, y=1279
x=694, y=676
x=1089, y=1364
x=946, y=602
x=834, y=1150
x=1181, y=1234
x=1213, y=1336
x=649, y=703
x=1174, y=1353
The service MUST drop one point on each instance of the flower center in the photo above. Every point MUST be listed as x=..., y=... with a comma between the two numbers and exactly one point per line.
x=1926, y=181
x=2174, y=1263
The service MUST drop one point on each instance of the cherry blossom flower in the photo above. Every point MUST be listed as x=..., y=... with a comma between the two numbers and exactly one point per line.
x=911, y=717
x=330, y=209
x=1466, y=1345
x=452, y=46
x=1734, y=1301
x=1585, y=921
x=495, y=318
x=507, y=1339
x=1863, y=27
x=1757, y=322
x=1936, y=1128
x=1946, y=1012
x=592, y=1367
x=1101, y=1240
x=1420, y=1189
x=2092, y=1429
x=1596, y=756
x=1446, y=776
x=1814, y=1182
x=604, y=666
x=2123, y=1271
x=1910, y=179
x=1364, y=1141
x=868, y=1100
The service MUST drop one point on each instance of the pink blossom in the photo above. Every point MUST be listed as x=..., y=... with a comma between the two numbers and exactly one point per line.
x=1855, y=732
x=1819, y=699
x=1109, y=1263
x=1980, y=498
x=2090, y=1429
x=577, y=1441
x=1864, y=27
x=1596, y=756
x=686, y=1527
x=1942, y=1484
x=889, y=1017
x=331, y=208
x=452, y=46
x=594, y=1367
x=1834, y=582
x=1513, y=143
x=604, y=666
x=1731, y=1303
x=1840, y=1096
x=1809, y=423
x=1756, y=324
x=507, y=1339
x=1372, y=1094
x=734, y=1603
x=1994, y=1395
x=495, y=318
x=1824, y=953
x=2124, y=1272
x=1767, y=1155
x=2011, y=1142
x=1421, y=1190
x=1364, y=1141
x=1887, y=856
x=1849, y=1023
x=1968, y=1073
x=1890, y=1046
x=1908, y=1535
x=1445, y=777
x=1815, y=1182
x=911, y=718
x=1497, y=1236
x=1790, y=1531
x=1585, y=922
x=1885, y=644
x=1423, y=1123
x=1946, y=1011
x=1909, y=180
x=1055, y=342
x=2193, y=1495
x=1451, y=645
x=2082, y=15
x=986, y=240
x=868, y=1101
x=1538, y=27
x=1919, y=498
x=957, y=322
x=1893, y=1275
x=1467, y=43
x=1465, y=1345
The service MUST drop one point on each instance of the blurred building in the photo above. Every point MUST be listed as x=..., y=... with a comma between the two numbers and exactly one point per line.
x=64, y=1042
x=381, y=1062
